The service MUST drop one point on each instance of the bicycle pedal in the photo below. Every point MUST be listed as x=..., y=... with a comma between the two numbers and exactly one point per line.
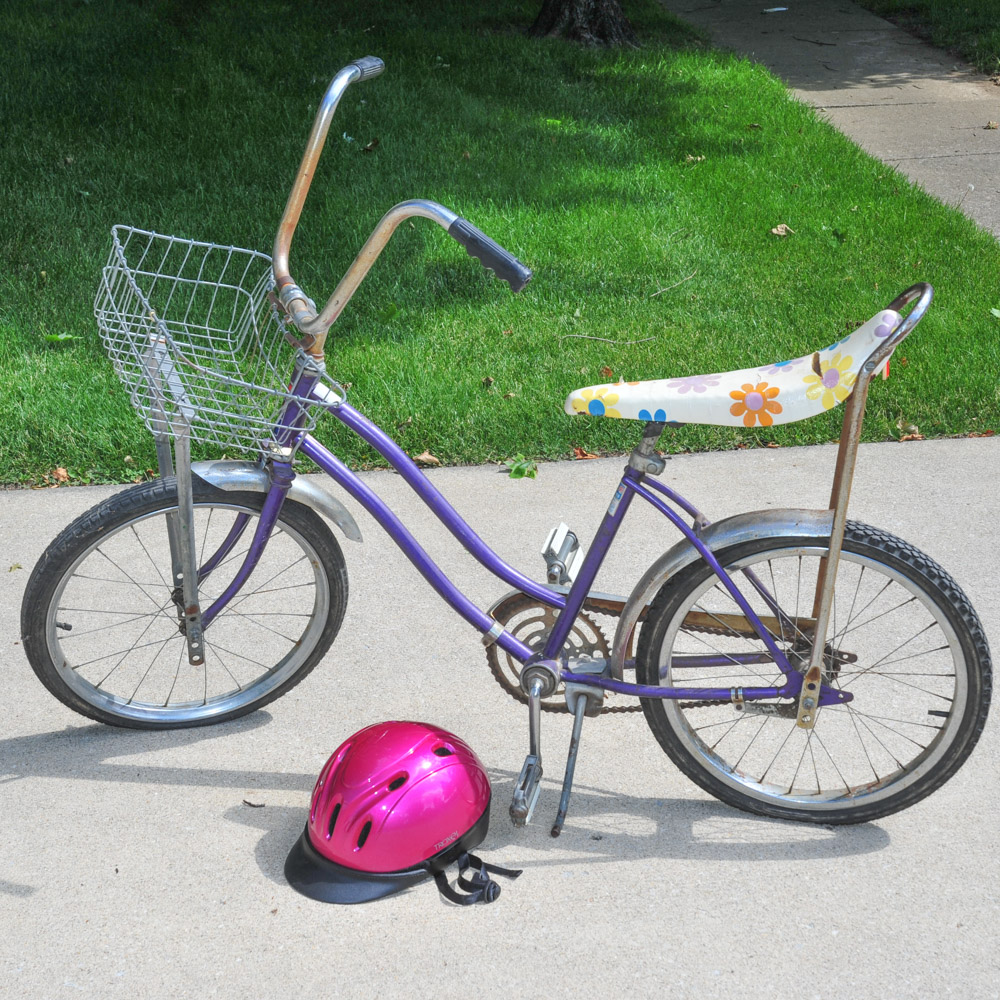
x=529, y=784
x=563, y=555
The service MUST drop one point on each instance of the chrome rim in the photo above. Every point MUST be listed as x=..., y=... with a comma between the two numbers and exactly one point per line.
x=112, y=627
x=908, y=679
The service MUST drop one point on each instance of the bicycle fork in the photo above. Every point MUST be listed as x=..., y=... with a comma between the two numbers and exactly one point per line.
x=187, y=574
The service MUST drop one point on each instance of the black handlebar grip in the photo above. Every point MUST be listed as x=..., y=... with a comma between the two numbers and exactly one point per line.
x=370, y=66
x=490, y=254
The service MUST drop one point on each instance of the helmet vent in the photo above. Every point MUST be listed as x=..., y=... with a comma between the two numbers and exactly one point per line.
x=397, y=783
x=365, y=830
x=443, y=751
x=333, y=820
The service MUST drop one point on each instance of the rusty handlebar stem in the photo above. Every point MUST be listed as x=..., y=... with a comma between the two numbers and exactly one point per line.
x=303, y=312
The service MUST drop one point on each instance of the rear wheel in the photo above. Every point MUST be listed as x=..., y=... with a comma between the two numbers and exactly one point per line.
x=903, y=640
x=100, y=620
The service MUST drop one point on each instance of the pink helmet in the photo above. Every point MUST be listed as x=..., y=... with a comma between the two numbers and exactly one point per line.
x=396, y=803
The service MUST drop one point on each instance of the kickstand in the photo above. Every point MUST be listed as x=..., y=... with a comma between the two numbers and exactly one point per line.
x=581, y=700
x=574, y=749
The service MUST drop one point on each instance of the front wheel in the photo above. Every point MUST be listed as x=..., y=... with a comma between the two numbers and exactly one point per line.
x=100, y=620
x=903, y=639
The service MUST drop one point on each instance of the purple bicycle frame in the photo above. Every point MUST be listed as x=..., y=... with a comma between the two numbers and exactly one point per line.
x=632, y=484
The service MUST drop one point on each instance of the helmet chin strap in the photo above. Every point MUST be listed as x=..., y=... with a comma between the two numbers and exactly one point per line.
x=480, y=887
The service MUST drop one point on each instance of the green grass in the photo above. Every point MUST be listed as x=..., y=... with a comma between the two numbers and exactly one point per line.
x=612, y=174
x=969, y=27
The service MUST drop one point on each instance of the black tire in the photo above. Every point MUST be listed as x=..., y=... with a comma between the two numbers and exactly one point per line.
x=100, y=626
x=904, y=641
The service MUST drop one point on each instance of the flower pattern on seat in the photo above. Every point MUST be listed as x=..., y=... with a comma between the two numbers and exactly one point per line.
x=835, y=384
x=775, y=393
x=755, y=402
x=598, y=402
x=698, y=383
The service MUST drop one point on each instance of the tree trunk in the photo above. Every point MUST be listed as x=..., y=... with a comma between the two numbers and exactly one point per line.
x=591, y=22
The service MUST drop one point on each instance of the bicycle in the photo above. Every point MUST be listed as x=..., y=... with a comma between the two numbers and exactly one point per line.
x=793, y=663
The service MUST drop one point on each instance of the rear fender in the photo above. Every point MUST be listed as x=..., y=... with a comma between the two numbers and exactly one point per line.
x=720, y=535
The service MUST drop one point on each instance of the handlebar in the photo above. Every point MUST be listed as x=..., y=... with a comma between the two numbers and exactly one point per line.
x=298, y=306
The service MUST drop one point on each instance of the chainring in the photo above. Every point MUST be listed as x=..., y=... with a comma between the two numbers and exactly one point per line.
x=531, y=622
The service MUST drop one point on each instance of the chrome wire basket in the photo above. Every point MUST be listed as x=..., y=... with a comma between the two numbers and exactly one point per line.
x=194, y=338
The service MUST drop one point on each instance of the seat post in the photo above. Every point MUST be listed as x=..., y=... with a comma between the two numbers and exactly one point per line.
x=644, y=458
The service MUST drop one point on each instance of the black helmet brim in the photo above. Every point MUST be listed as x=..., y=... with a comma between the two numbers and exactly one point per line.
x=308, y=872
x=319, y=878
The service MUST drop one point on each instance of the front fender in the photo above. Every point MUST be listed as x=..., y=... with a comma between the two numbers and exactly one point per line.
x=253, y=478
x=734, y=530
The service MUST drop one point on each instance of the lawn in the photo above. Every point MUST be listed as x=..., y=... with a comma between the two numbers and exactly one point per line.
x=970, y=28
x=641, y=187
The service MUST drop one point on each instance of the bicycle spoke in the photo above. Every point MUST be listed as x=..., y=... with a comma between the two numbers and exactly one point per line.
x=104, y=628
x=152, y=561
x=148, y=669
x=128, y=576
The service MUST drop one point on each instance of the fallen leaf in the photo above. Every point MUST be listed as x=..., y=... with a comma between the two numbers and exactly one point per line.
x=488, y=380
x=508, y=395
x=15, y=566
x=607, y=372
x=370, y=146
x=782, y=230
x=426, y=458
x=772, y=444
x=693, y=159
x=405, y=423
x=128, y=460
x=275, y=910
x=467, y=155
x=578, y=452
x=908, y=431
x=753, y=125
x=60, y=475
x=972, y=434
x=507, y=333
x=991, y=125
x=253, y=805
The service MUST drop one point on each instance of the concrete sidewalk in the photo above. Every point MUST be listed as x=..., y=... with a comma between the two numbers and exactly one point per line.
x=909, y=104
x=132, y=864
